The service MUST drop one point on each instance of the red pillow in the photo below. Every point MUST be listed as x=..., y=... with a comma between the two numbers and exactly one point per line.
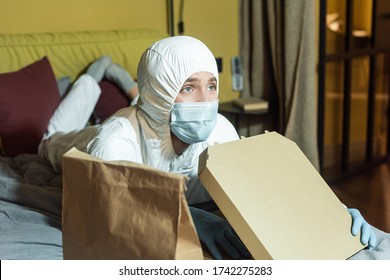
x=111, y=100
x=28, y=98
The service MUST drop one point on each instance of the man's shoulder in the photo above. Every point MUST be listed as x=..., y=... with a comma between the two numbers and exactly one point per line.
x=224, y=124
x=122, y=124
x=224, y=131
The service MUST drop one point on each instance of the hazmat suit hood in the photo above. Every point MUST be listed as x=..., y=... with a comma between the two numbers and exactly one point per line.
x=163, y=69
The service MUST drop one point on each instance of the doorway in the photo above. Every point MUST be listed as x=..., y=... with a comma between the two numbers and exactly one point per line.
x=353, y=86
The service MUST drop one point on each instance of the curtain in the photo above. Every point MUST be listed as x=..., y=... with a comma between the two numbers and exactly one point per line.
x=279, y=54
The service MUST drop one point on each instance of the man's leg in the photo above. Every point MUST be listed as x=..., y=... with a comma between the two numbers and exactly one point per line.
x=123, y=79
x=72, y=114
x=59, y=143
x=98, y=68
x=76, y=108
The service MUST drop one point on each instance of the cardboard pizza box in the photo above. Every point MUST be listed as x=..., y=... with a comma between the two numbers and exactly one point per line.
x=276, y=201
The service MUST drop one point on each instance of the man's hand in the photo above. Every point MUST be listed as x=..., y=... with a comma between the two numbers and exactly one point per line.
x=215, y=232
x=367, y=236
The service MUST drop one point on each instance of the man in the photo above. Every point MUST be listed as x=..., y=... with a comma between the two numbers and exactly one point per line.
x=175, y=119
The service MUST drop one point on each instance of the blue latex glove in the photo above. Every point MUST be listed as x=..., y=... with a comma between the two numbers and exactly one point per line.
x=367, y=236
x=215, y=232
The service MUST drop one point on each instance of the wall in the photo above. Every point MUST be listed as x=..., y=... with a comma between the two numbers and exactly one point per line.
x=214, y=22
x=26, y=16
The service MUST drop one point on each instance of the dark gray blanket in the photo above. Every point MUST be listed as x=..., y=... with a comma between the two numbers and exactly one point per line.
x=30, y=209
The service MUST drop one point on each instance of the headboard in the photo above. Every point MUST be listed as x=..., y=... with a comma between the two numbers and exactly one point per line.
x=71, y=52
x=28, y=97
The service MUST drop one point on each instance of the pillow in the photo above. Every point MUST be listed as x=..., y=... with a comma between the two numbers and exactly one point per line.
x=111, y=100
x=28, y=98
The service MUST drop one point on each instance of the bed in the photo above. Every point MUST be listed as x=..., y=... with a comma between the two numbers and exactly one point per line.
x=32, y=69
x=30, y=190
x=30, y=209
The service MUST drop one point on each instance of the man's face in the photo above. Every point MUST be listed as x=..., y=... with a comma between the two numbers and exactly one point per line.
x=199, y=87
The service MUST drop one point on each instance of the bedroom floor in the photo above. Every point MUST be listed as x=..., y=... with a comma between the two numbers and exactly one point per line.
x=370, y=193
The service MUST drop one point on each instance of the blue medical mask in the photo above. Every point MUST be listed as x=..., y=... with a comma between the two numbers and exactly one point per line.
x=192, y=122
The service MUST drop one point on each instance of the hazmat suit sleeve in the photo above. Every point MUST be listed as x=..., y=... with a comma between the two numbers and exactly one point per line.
x=116, y=140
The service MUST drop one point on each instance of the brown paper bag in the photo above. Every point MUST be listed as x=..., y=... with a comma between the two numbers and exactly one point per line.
x=124, y=210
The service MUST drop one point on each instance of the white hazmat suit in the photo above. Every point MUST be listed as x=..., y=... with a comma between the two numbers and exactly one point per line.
x=141, y=133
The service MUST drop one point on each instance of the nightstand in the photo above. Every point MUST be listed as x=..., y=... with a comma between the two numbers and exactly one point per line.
x=234, y=114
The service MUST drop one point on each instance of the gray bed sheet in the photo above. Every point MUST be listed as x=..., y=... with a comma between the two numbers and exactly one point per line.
x=30, y=212
x=30, y=209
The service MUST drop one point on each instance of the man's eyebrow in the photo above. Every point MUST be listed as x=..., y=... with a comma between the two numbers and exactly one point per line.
x=190, y=80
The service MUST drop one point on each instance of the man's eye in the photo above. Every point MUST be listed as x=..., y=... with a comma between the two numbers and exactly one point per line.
x=186, y=90
x=212, y=87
